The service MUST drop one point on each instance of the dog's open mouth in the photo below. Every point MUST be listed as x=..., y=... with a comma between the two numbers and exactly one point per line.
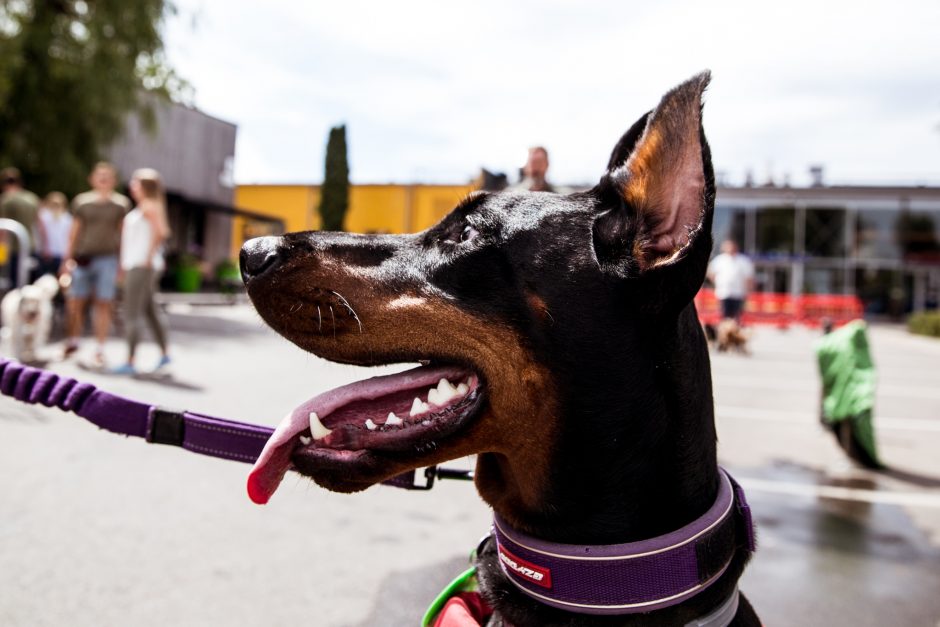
x=395, y=415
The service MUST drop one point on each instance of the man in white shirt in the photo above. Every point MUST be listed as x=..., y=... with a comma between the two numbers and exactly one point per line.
x=733, y=276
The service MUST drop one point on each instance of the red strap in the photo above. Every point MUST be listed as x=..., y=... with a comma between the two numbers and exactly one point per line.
x=465, y=609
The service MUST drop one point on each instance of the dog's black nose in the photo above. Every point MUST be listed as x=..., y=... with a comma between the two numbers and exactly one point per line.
x=258, y=256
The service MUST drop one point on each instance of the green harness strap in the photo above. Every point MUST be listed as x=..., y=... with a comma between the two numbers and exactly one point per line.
x=465, y=582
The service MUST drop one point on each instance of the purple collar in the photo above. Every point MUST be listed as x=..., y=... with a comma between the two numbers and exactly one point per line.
x=629, y=578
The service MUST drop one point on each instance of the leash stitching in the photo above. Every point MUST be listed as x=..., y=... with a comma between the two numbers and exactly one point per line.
x=205, y=449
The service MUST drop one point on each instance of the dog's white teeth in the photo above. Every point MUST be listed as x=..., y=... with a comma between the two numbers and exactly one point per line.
x=442, y=393
x=317, y=430
x=305, y=440
x=371, y=426
x=462, y=389
x=393, y=419
x=418, y=407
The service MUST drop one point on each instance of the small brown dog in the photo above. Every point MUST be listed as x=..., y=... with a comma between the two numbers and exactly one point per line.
x=730, y=336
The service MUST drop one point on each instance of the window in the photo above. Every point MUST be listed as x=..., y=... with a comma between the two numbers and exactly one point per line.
x=728, y=223
x=875, y=235
x=825, y=232
x=918, y=235
x=775, y=232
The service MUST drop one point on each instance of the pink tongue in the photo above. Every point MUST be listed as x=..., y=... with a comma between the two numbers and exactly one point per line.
x=268, y=472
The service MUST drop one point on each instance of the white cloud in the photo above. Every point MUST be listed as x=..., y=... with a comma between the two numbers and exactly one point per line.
x=432, y=91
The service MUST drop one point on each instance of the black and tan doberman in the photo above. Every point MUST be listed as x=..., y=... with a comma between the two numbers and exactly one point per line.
x=560, y=346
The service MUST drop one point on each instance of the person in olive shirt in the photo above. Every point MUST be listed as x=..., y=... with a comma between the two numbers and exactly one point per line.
x=17, y=204
x=92, y=256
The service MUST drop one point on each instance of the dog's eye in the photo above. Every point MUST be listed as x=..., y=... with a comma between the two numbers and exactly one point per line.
x=469, y=234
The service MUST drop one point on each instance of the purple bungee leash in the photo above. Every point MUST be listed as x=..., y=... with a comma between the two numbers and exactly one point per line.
x=198, y=433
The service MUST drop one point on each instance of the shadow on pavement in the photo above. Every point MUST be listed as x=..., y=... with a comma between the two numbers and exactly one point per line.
x=196, y=326
x=404, y=596
x=914, y=478
x=14, y=411
x=167, y=380
x=825, y=561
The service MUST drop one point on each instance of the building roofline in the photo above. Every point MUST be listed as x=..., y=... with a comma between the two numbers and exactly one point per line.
x=859, y=192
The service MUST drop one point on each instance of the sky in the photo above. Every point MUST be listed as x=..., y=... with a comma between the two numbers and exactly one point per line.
x=434, y=91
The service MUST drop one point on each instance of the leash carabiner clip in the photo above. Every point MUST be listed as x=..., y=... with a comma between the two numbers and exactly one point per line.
x=431, y=473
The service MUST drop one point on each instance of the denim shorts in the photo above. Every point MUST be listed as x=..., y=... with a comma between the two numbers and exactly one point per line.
x=98, y=277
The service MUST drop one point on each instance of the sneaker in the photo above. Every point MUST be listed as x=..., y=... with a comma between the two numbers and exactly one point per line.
x=163, y=363
x=124, y=369
x=69, y=350
x=99, y=362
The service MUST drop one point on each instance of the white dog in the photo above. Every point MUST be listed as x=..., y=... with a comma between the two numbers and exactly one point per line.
x=26, y=315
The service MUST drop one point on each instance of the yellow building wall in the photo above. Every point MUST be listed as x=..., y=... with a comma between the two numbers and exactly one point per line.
x=433, y=202
x=377, y=209
x=295, y=205
x=372, y=208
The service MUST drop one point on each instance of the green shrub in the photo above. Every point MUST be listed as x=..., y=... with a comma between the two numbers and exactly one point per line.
x=925, y=323
x=227, y=276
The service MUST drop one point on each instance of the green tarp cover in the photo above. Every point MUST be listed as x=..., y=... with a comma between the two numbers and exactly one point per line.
x=848, y=379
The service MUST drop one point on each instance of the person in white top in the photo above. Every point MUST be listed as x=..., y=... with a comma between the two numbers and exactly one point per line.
x=52, y=232
x=733, y=277
x=143, y=233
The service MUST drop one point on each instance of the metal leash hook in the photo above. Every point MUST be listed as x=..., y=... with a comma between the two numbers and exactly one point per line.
x=408, y=480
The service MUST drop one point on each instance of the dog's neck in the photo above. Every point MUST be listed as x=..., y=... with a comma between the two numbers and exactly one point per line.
x=654, y=472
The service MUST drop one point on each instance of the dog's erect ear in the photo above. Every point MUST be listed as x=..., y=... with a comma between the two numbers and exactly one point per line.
x=658, y=192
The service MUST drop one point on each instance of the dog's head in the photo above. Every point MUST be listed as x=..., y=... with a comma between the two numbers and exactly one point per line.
x=47, y=286
x=541, y=312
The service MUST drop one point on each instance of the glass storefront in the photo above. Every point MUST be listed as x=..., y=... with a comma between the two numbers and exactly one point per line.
x=824, y=235
x=775, y=232
x=729, y=223
x=888, y=255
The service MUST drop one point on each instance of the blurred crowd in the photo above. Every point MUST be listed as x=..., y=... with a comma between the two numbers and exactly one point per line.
x=93, y=245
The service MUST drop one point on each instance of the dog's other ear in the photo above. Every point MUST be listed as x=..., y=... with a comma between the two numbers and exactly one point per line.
x=658, y=194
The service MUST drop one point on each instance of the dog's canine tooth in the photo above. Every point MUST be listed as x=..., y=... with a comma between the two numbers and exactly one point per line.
x=371, y=426
x=393, y=419
x=317, y=430
x=418, y=407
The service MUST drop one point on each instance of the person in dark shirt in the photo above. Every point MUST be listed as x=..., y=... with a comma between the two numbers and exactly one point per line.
x=92, y=256
x=21, y=205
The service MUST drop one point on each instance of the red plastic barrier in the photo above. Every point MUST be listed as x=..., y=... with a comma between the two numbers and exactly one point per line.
x=782, y=310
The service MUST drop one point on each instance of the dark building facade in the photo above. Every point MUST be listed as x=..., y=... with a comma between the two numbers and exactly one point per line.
x=880, y=243
x=194, y=153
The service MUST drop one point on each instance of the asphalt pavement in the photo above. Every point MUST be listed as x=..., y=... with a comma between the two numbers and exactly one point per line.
x=97, y=529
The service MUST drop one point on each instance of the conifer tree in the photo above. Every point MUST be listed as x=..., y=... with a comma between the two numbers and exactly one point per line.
x=334, y=195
